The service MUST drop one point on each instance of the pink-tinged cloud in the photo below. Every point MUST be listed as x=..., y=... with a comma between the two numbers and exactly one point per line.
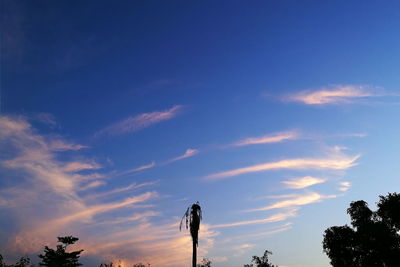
x=47, y=189
x=80, y=166
x=301, y=200
x=60, y=145
x=137, y=169
x=135, y=217
x=190, y=152
x=335, y=163
x=258, y=235
x=46, y=118
x=90, y=211
x=344, y=186
x=303, y=182
x=11, y=126
x=139, y=122
x=160, y=245
x=121, y=190
x=332, y=95
x=93, y=184
x=267, y=139
x=273, y=218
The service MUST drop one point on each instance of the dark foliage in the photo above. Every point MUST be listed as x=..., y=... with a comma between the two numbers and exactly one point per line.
x=374, y=239
x=23, y=262
x=109, y=265
x=262, y=261
x=204, y=263
x=60, y=257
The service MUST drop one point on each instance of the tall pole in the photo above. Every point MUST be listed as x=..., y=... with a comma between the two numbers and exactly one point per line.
x=194, y=256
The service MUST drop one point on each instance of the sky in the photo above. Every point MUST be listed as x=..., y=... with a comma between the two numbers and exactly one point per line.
x=117, y=116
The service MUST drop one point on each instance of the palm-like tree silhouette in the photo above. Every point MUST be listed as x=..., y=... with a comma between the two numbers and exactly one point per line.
x=193, y=218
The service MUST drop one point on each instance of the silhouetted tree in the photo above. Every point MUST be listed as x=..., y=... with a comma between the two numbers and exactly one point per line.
x=109, y=265
x=193, y=218
x=374, y=239
x=60, y=257
x=2, y=264
x=23, y=262
x=204, y=263
x=262, y=261
x=139, y=265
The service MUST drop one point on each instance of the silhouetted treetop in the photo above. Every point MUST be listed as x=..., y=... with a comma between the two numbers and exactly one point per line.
x=374, y=240
x=204, y=263
x=389, y=210
x=193, y=216
x=60, y=257
x=262, y=261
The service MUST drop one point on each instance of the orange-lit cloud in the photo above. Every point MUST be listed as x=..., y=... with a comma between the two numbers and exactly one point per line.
x=303, y=182
x=272, y=138
x=139, y=122
x=301, y=200
x=335, y=163
x=332, y=95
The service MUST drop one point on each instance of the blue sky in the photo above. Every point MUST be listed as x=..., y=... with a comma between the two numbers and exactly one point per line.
x=115, y=117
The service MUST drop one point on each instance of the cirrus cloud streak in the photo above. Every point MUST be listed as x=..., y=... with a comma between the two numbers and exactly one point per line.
x=336, y=163
x=335, y=94
x=139, y=122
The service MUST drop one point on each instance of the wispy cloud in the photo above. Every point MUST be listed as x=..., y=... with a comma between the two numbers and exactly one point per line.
x=137, y=169
x=344, y=186
x=93, y=184
x=46, y=118
x=273, y=218
x=139, y=122
x=335, y=94
x=303, y=182
x=267, y=139
x=90, y=211
x=305, y=199
x=48, y=191
x=119, y=190
x=335, y=163
x=80, y=166
x=259, y=235
x=239, y=250
x=60, y=145
x=188, y=153
x=161, y=245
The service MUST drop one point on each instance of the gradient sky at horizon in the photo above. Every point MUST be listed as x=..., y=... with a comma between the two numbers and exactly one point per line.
x=116, y=116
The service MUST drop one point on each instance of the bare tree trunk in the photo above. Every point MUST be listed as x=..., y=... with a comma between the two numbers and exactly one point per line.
x=194, y=256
